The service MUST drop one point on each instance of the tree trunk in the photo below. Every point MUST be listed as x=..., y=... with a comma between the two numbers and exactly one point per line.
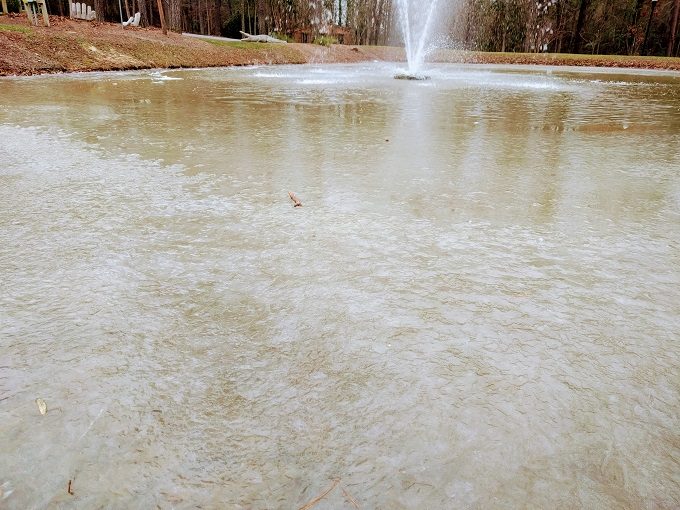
x=99, y=7
x=638, y=10
x=217, y=17
x=558, y=27
x=141, y=8
x=580, y=22
x=161, y=15
x=674, y=28
x=146, y=13
x=175, y=15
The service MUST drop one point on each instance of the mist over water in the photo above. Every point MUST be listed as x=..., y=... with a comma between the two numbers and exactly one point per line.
x=477, y=306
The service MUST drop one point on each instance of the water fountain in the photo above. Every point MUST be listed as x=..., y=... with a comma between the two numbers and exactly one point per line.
x=416, y=18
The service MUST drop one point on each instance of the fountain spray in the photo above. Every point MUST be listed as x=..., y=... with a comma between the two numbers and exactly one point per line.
x=416, y=25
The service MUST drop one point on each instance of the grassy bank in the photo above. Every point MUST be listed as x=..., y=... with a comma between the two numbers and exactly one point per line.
x=567, y=59
x=69, y=45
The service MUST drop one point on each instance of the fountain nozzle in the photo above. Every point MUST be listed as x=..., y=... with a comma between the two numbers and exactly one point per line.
x=411, y=76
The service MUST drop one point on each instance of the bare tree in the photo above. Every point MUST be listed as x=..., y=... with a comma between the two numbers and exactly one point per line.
x=175, y=15
x=674, y=28
x=580, y=22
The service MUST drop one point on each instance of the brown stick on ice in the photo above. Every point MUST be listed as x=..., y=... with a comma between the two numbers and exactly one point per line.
x=350, y=498
x=295, y=199
x=69, y=488
x=320, y=497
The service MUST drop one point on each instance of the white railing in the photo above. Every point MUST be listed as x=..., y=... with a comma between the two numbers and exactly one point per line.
x=82, y=11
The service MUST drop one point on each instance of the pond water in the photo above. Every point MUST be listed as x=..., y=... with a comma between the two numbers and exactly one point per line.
x=477, y=306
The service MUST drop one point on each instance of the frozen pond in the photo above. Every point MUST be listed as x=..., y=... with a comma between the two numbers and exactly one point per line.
x=478, y=305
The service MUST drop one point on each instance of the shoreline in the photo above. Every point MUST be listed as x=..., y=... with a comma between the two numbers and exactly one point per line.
x=70, y=46
x=641, y=71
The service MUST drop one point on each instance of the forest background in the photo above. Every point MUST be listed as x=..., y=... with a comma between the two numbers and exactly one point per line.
x=618, y=27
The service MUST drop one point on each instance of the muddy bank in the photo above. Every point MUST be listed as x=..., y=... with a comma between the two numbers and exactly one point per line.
x=70, y=46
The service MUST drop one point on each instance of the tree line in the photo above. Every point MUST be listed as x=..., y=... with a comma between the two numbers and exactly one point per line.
x=625, y=27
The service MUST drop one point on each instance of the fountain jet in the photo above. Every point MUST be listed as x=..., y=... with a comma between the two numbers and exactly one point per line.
x=416, y=18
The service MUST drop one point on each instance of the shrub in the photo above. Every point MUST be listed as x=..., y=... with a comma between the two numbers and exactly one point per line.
x=325, y=40
x=282, y=37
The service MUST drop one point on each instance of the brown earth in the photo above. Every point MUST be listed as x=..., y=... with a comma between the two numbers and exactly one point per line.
x=69, y=45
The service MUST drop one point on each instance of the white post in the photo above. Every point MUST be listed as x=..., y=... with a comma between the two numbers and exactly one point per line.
x=46, y=18
x=31, y=13
x=4, y=7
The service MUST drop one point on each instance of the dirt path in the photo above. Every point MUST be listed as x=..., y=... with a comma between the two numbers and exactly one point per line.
x=70, y=45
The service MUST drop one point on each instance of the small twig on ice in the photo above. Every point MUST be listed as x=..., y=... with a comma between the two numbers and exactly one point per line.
x=350, y=498
x=69, y=488
x=319, y=498
x=295, y=199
